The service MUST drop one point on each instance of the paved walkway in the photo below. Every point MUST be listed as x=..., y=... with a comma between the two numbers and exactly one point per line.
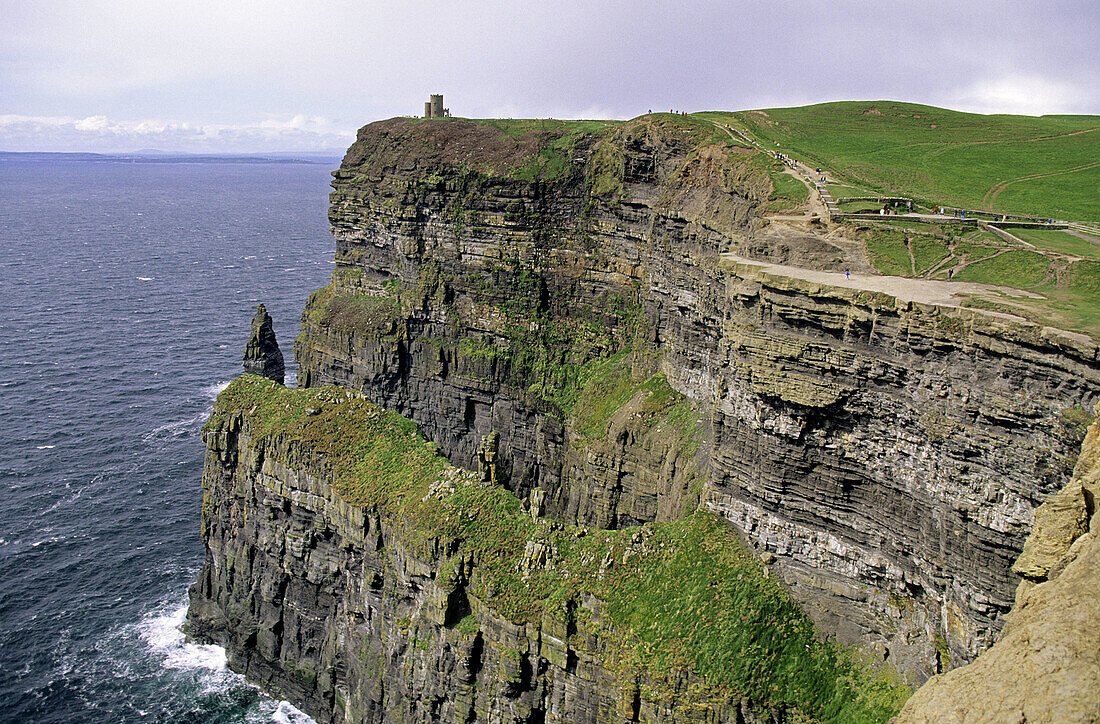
x=925, y=291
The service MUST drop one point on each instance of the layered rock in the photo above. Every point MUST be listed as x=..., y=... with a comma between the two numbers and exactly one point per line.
x=262, y=355
x=1046, y=665
x=886, y=454
x=368, y=591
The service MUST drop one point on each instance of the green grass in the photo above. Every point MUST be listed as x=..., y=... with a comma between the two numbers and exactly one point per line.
x=789, y=192
x=839, y=191
x=1070, y=296
x=860, y=207
x=375, y=457
x=516, y=127
x=354, y=313
x=889, y=253
x=1059, y=241
x=1018, y=269
x=604, y=174
x=1069, y=290
x=682, y=594
x=945, y=156
x=928, y=252
x=607, y=385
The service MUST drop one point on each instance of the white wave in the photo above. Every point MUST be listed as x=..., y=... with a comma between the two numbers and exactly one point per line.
x=50, y=539
x=164, y=637
x=161, y=631
x=213, y=391
x=45, y=447
x=145, y=279
x=287, y=713
x=65, y=501
x=188, y=425
x=177, y=428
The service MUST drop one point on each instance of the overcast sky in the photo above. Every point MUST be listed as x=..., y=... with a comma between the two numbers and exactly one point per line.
x=235, y=75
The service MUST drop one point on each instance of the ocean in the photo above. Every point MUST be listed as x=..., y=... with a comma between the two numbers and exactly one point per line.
x=128, y=289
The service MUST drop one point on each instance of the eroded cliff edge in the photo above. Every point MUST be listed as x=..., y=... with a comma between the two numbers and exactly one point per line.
x=1046, y=665
x=884, y=456
x=353, y=570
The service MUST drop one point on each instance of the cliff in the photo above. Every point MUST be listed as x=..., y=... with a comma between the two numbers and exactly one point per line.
x=353, y=570
x=883, y=455
x=1046, y=665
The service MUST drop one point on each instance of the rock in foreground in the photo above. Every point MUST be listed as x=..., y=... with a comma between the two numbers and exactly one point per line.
x=1046, y=665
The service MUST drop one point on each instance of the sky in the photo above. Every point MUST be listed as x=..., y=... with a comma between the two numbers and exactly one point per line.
x=254, y=77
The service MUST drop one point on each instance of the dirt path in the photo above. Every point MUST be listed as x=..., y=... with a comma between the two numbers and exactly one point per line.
x=925, y=291
x=813, y=199
x=1083, y=235
x=995, y=191
x=817, y=208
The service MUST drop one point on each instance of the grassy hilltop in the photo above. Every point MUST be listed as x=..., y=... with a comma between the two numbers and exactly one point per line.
x=1046, y=166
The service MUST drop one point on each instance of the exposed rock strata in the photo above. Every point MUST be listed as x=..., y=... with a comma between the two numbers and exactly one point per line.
x=262, y=355
x=887, y=454
x=1046, y=665
x=372, y=613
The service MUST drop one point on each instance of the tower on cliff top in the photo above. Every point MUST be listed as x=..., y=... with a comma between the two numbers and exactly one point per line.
x=434, y=107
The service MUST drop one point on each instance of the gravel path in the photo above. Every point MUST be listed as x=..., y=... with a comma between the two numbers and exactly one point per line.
x=926, y=291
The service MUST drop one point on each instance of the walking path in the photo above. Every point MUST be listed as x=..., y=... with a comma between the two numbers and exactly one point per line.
x=825, y=206
x=925, y=291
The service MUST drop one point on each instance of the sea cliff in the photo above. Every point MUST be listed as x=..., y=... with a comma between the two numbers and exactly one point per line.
x=353, y=570
x=643, y=439
x=1046, y=665
x=886, y=454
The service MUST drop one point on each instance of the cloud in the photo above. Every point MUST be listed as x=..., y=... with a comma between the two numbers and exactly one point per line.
x=1029, y=95
x=272, y=72
x=100, y=134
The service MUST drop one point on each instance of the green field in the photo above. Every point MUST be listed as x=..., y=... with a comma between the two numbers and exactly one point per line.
x=1062, y=269
x=1060, y=241
x=1047, y=166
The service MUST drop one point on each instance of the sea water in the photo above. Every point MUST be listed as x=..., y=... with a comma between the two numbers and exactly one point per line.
x=127, y=293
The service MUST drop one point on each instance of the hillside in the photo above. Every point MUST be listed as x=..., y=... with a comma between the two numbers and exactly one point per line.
x=1046, y=166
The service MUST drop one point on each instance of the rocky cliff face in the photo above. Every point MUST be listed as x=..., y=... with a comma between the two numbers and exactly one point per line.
x=1046, y=665
x=885, y=455
x=351, y=569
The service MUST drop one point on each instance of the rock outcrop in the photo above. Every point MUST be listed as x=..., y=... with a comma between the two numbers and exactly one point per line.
x=352, y=570
x=1046, y=665
x=262, y=355
x=886, y=455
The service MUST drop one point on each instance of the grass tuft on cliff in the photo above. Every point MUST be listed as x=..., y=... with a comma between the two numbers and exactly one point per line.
x=676, y=596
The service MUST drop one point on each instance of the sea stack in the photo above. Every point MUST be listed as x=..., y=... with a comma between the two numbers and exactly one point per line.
x=262, y=355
